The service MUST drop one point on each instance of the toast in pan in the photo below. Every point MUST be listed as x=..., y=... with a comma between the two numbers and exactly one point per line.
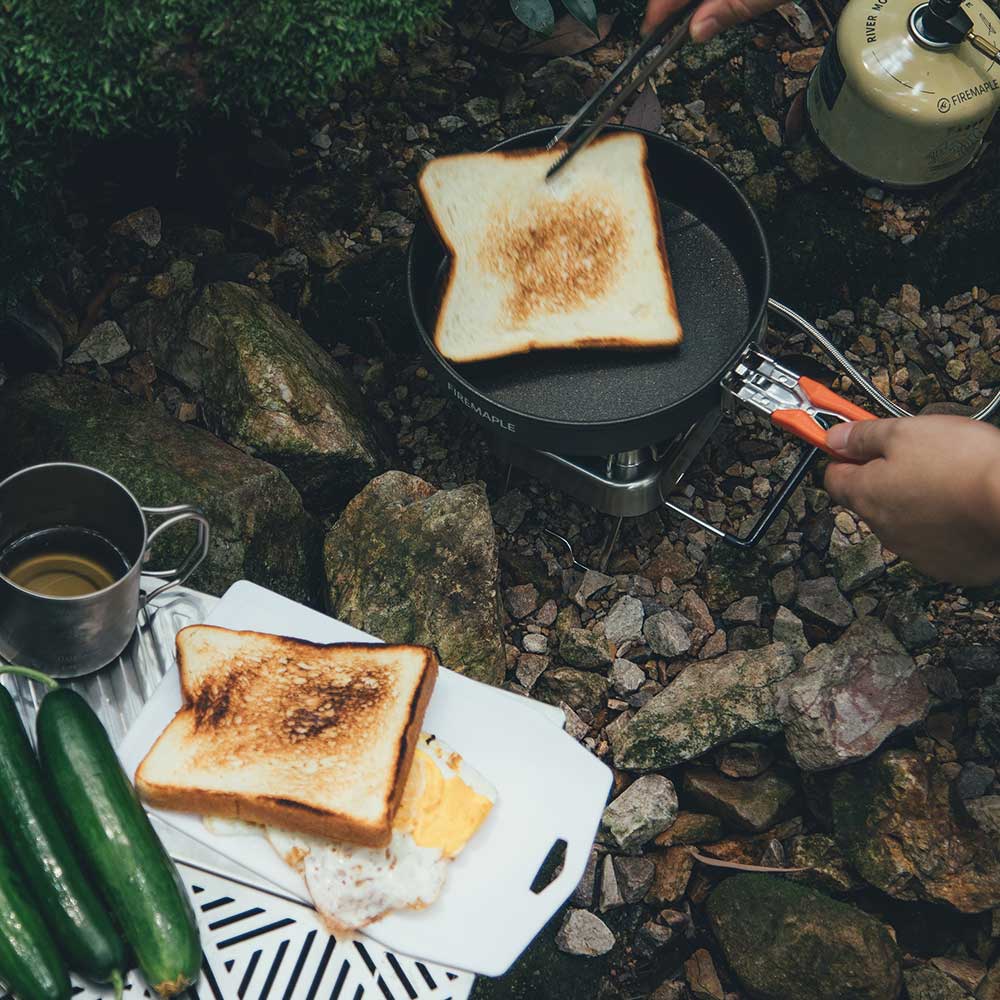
x=310, y=738
x=578, y=261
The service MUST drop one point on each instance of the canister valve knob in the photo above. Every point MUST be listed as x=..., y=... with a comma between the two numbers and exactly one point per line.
x=940, y=24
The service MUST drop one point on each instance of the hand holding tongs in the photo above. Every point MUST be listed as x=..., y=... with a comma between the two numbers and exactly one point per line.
x=678, y=22
x=793, y=402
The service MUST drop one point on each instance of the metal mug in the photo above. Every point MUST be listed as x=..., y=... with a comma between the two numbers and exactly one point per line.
x=71, y=636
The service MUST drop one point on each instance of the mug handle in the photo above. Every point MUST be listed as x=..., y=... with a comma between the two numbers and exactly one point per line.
x=196, y=554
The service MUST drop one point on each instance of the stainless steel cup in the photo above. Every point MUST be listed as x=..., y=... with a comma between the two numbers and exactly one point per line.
x=70, y=636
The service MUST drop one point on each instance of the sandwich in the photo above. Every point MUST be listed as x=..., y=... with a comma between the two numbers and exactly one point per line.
x=320, y=749
x=575, y=261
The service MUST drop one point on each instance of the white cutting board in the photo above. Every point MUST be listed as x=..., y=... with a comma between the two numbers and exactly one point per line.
x=548, y=788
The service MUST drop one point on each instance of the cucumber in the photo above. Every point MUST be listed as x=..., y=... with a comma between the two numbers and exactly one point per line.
x=112, y=832
x=30, y=966
x=70, y=907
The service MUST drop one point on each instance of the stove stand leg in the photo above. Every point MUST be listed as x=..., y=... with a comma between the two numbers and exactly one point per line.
x=506, y=482
x=569, y=548
x=611, y=539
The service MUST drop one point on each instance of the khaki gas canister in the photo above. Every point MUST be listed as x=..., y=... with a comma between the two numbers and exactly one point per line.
x=905, y=92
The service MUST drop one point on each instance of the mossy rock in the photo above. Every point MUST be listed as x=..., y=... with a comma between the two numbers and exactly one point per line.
x=266, y=387
x=410, y=563
x=787, y=942
x=260, y=531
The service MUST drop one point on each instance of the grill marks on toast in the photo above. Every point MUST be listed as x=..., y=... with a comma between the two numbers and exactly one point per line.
x=556, y=256
x=289, y=706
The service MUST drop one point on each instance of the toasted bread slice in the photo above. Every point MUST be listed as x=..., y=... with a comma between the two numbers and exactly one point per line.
x=578, y=261
x=312, y=738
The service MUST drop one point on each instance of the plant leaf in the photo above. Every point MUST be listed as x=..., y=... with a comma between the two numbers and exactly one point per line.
x=645, y=111
x=569, y=37
x=585, y=11
x=535, y=14
x=737, y=866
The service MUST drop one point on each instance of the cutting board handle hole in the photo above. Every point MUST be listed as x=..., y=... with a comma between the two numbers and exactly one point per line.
x=550, y=868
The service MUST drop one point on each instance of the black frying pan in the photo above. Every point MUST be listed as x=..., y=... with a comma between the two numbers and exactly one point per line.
x=600, y=401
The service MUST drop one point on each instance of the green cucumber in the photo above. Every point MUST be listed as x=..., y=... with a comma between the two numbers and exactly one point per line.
x=111, y=830
x=70, y=907
x=30, y=966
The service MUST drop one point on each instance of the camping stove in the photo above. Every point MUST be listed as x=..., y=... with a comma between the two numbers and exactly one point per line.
x=627, y=484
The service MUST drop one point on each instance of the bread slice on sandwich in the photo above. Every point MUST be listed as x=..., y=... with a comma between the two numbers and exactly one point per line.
x=310, y=738
x=578, y=261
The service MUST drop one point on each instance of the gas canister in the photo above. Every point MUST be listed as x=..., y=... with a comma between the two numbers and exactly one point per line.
x=905, y=92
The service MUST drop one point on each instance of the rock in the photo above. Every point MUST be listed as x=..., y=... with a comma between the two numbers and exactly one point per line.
x=225, y=267
x=786, y=942
x=784, y=584
x=823, y=601
x=859, y=564
x=104, y=344
x=673, y=867
x=142, y=226
x=892, y=817
x=266, y=387
x=703, y=980
x=968, y=972
x=647, y=807
x=521, y=600
x=530, y=666
x=672, y=989
x=788, y=629
x=652, y=937
x=583, y=894
x=975, y=665
x=745, y=611
x=578, y=688
x=626, y=677
x=909, y=621
x=483, y=110
x=580, y=647
x=509, y=511
x=668, y=633
x=974, y=781
x=711, y=702
x=985, y=813
x=624, y=621
x=593, y=583
x=259, y=530
x=410, y=563
x=583, y=933
x=743, y=760
x=535, y=642
x=927, y=983
x=690, y=828
x=989, y=988
x=609, y=897
x=828, y=869
x=849, y=696
x=988, y=726
x=753, y=804
x=635, y=876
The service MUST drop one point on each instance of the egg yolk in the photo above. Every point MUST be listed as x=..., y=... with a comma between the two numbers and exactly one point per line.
x=437, y=811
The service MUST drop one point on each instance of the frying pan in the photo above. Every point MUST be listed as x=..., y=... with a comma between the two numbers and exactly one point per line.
x=601, y=402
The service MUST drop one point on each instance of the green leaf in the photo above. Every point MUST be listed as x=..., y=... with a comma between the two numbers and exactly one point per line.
x=535, y=14
x=585, y=11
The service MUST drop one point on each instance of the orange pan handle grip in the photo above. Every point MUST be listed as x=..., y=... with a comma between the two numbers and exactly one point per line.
x=799, y=423
x=827, y=399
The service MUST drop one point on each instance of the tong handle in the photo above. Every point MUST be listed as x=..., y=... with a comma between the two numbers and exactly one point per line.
x=807, y=427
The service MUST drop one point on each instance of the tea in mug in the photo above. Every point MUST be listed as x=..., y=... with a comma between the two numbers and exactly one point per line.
x=64, y=561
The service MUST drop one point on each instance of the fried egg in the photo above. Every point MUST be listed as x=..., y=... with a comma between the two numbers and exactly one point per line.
x=445, y=801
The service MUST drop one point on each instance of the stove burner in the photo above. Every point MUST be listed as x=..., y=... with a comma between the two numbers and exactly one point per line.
x=626, y=484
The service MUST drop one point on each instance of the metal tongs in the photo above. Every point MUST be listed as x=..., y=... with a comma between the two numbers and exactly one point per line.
x=678, y=24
